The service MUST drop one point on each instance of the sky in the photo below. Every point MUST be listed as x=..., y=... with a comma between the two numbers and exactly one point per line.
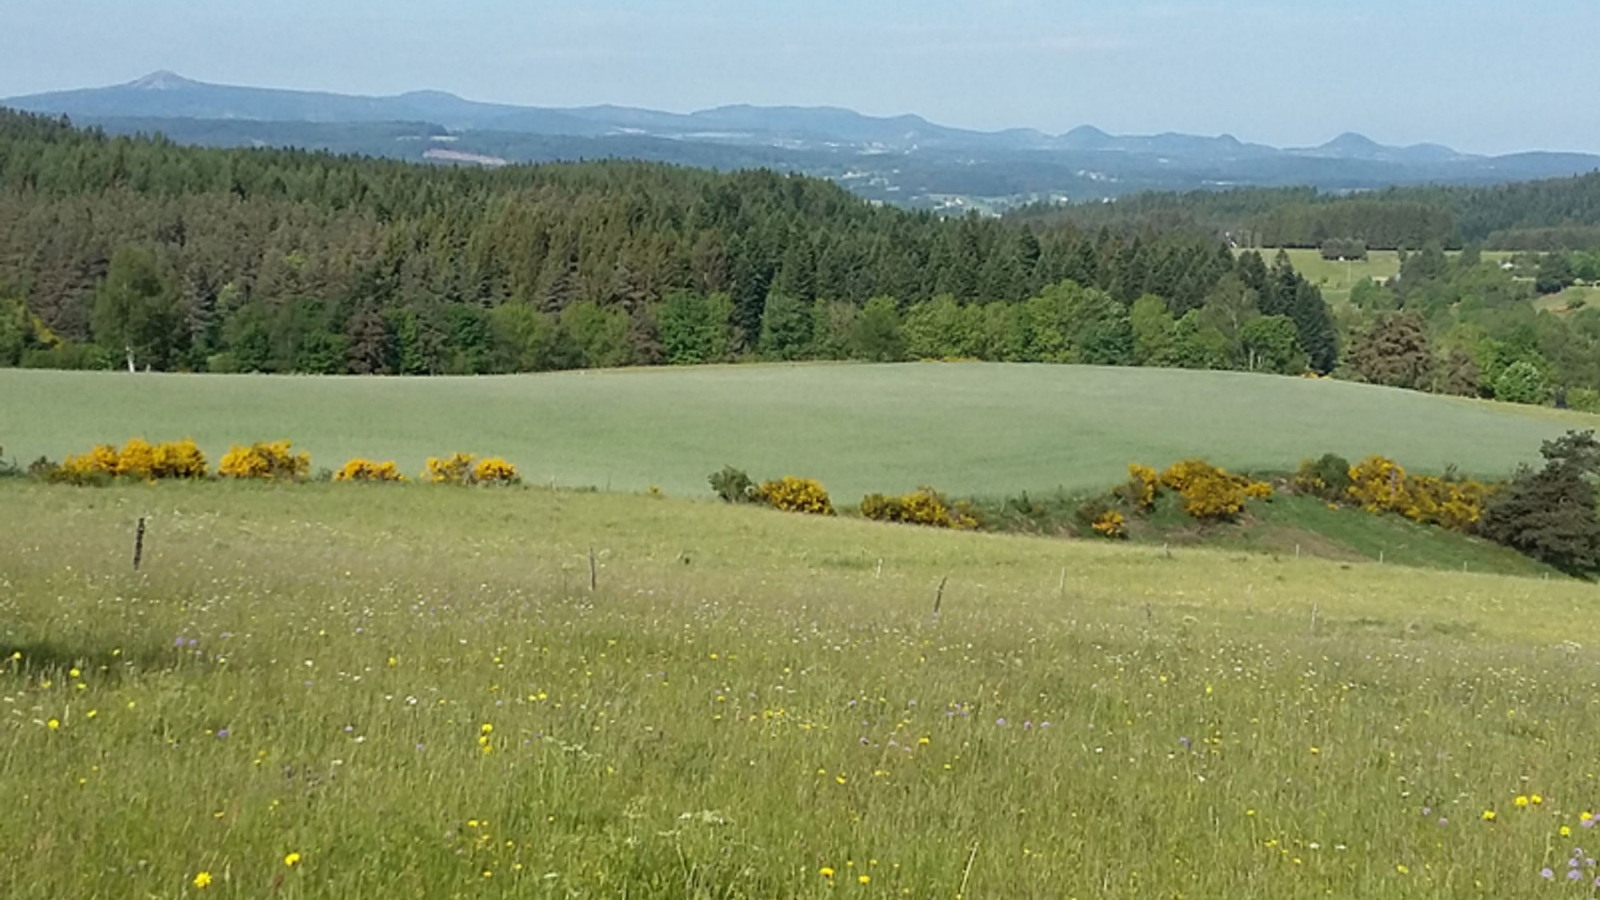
x=1485, y=76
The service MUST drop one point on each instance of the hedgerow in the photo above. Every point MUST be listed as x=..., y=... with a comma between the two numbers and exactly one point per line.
x=925, y=506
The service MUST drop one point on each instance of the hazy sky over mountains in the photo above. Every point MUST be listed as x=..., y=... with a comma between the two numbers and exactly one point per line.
x=1484, y=76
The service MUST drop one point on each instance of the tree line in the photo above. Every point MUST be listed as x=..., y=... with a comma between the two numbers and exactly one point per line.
x=1550, y=214
x=139, y=252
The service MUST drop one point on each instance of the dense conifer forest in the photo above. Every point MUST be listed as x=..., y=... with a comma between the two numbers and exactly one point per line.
x=180, y=258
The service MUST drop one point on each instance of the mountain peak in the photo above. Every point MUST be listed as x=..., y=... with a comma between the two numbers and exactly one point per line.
x=162, y=80
x=1351, y=140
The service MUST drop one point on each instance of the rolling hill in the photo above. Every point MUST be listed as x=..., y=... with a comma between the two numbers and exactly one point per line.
x=978, y=429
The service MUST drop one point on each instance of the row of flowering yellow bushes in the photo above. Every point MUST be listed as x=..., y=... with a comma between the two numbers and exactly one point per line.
x=1208, y=492
x=1380, y=485
x=465, y=468
x=925, y=506
x=138, y=458
x=263, y=460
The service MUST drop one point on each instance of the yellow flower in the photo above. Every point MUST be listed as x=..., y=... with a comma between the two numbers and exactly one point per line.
x=1521, y=800
x=827, y=871
x=292, y=859
x=203, y=879
x=1565, y=831
x=1402, y=870
x=487, y=728
x=1536, y=799
x=1488, y=815
x=864, y=879
x=91, y=713
x=53, y=724
x=73, y=673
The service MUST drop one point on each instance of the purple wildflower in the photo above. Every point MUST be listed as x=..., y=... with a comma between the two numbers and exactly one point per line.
x=1001, y=722
x=222, y=734
x=1546, y=874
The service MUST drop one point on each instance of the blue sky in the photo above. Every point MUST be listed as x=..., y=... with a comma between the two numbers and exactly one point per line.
x=1484, y=75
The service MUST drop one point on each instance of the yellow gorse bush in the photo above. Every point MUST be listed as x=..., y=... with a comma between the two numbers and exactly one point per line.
x=180, y=459
x=1143, y=482
x=1258, y=490
x=102, y=460
x=453, y=469
x=1110, y=524
x=925, y=506
x=1380, y=485
x=138, y=458
x=495, y=470
x=366, y=470
x=266, y=460
x=791, y=494
x=1212, y=492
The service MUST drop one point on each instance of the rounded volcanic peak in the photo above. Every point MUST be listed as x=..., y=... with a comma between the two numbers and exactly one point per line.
x=162, y=80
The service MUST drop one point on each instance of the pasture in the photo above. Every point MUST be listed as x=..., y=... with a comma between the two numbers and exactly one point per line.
x=969, y=428
x=334, y=691
x=1337, y=277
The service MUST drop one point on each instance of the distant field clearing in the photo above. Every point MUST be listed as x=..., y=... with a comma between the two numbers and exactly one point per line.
x=977, y=428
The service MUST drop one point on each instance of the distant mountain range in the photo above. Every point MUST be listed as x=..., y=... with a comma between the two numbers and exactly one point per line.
x=901, y=159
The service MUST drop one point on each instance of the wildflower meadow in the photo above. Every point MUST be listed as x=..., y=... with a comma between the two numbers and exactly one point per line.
x=321, y=691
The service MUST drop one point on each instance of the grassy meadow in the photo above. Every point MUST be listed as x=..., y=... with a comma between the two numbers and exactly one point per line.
x=969, y=429
x=334, y=691
x=1336, y=278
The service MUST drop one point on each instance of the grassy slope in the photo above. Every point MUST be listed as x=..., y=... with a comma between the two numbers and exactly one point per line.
x=989, y=429
x=756, y=669
x=1289, y=524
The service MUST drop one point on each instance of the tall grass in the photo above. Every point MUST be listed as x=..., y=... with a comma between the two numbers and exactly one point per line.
x=414, y=691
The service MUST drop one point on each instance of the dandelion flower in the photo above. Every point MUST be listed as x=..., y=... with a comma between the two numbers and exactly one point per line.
x=1488, y=815
x=1566, y=831
x=292, y=860
x=826, y=871
x=864, y=879
x=202, y=879
x=1521, y=800
x=53, y=724
x=1402, y=869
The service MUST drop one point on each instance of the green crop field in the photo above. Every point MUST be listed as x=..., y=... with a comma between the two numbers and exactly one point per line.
x=986, y=429
x=335, y=691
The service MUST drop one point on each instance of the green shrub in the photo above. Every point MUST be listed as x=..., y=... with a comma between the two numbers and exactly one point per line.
x=733, y=485
x=1328, y=477
x=1584, y=399
x=1521, y=382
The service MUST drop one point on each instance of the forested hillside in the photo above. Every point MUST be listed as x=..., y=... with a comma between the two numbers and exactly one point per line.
x=1554, y=214
x=133, y=251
